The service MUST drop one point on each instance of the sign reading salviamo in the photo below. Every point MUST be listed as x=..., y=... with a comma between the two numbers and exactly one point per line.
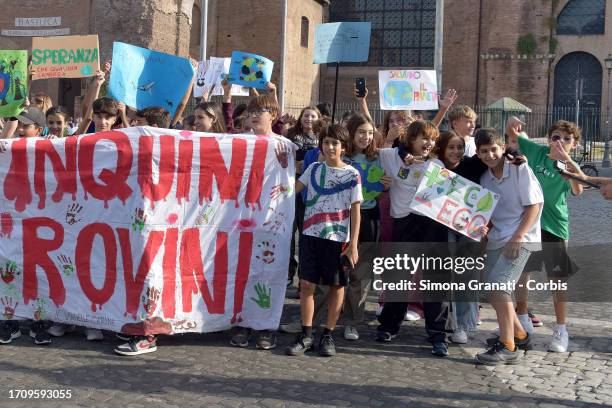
x=146, y=230
x=74, y=56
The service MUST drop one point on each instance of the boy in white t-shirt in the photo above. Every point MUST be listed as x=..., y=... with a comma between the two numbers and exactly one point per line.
x=328, y=246
x=514, y=234
x=463, y=121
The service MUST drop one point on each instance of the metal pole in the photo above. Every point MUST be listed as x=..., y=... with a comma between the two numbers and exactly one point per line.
x=335, y=92
x=606, y=159
x=281, y=80
x=439, y=40
x=203, y=28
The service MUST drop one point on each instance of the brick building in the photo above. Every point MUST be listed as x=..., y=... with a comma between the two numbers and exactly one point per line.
x=533, y=51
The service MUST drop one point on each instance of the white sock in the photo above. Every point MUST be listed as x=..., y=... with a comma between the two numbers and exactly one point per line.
x=561, y=328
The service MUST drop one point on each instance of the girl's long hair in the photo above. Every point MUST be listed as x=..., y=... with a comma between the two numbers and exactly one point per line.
x=297, y=129
x=353, y=124
x=442, y=143
x=213, y=110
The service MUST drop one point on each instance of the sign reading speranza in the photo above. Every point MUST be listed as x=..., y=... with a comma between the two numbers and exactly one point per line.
x=454, y=201
x=146, y=230
x=74, y=56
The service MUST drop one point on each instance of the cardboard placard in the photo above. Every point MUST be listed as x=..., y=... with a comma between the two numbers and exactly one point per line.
x=408, y=89
x=72, y=56
x=13, y=81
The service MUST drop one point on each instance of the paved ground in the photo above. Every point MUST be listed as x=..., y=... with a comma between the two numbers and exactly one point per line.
x=202, y=370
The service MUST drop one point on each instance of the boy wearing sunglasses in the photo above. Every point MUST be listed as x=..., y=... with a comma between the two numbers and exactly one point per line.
x=563, y=137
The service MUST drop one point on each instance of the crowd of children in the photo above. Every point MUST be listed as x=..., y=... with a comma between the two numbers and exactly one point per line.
x=529, y=228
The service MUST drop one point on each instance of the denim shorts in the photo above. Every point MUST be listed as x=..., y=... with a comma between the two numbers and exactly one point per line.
x=500, y=269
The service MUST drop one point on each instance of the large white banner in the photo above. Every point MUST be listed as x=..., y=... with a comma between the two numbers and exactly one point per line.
x=146, y=230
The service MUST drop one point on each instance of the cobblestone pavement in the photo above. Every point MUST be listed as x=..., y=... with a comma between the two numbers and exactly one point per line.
x=203, y=370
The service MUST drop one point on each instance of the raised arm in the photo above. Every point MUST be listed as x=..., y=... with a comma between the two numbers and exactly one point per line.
x=363, y=104
x=92, y=94
x=445, y=104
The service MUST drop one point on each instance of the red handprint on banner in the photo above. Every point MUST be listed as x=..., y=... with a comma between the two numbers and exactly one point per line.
x=9, y=308
x=150, y=300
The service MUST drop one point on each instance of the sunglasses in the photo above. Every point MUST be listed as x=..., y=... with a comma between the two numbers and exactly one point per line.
x=257, y=112
x=566, y=139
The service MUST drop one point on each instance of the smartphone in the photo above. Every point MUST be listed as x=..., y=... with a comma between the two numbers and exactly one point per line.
x=346, y=264
x=360, y=85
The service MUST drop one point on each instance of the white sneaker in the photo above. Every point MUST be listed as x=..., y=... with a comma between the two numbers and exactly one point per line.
x=526, y=323
x=293, y=327
x=58, y=329
x=412, y=316
x=94, y=334
x=351, y=333
x=560, y=340
x=459, y=336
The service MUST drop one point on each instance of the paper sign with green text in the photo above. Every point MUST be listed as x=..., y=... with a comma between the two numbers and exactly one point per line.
x=69, y=56
x=454, y=201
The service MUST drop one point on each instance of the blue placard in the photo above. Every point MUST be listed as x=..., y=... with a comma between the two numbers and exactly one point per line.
x=342, y=42
x=250, y=70
x=141, y=78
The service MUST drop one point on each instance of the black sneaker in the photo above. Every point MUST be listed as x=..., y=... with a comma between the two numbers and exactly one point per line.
x=137, y=345
x=327, y=346
x=439, y=349
x=498, y=354
x=301, y=345
x=9, y=331
x=241, y=337
x=524, y=344
x=38, y=331
x=266, y=339
x=384, y=336
x=124, y=337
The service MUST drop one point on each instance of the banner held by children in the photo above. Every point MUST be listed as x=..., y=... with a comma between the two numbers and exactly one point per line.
x=342, y=42
x=250, y=70
x=165, y=231
x=141, y=78
x=209, y=76
x=406, y=89
x=454, y=201
x=13, y=81
x=71, y=56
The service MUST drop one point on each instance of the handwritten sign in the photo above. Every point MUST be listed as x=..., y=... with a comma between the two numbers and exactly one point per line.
x=454, y=201
x=250, y=70
x=405, y=89
x=209, y=76
x=13, y=81
x=342, y=42
x=141, y=78
x=74, y=56
x=146, y=230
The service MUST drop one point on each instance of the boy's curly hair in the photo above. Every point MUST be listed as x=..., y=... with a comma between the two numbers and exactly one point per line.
x=567, y=127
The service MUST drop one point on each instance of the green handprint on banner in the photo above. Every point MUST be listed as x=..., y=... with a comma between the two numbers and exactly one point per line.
x=263, y=296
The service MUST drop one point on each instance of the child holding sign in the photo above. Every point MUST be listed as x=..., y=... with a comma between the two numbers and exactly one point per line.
x=262, y=112
x=514, y=235
x=406, y=165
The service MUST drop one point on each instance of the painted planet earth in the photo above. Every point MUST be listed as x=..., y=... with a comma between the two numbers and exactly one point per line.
x=398, y=93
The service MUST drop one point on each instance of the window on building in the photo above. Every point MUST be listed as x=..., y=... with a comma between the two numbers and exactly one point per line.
x=582, y=17
x=196, y=23
x=304, y=36
x=403, y=31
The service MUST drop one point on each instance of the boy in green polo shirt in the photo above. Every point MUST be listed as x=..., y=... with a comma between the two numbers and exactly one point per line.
x=563, y=136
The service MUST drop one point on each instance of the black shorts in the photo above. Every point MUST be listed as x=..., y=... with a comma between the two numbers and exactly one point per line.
x=320, y=261
x=553, y=258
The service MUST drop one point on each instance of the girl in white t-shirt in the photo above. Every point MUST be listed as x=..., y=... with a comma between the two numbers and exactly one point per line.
x=406, y=165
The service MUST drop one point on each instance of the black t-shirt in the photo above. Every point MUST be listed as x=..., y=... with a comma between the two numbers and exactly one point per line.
x=471, y=168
